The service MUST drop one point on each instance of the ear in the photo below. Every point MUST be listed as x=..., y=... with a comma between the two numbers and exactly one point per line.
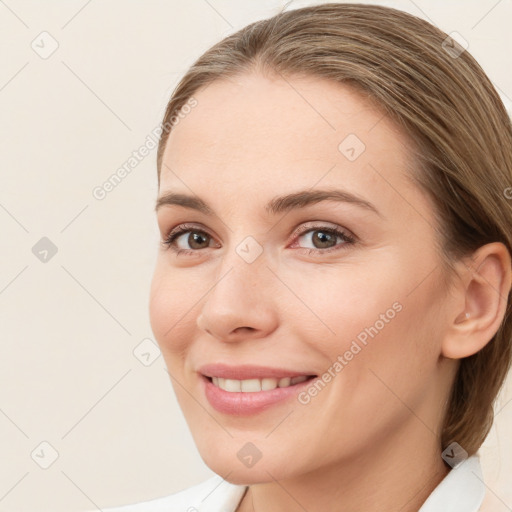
x=481, y=297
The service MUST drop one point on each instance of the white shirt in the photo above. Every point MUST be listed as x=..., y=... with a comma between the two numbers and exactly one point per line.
x=462, y=490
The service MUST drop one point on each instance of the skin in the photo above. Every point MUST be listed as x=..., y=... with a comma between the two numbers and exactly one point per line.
x=370, y=439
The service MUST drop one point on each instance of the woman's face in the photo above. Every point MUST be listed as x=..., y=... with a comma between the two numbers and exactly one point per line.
x=262, y=294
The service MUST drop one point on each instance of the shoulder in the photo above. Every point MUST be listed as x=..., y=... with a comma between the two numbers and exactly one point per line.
x=214, y=494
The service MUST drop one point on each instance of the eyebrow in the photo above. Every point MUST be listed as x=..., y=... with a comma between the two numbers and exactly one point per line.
x=277, y=205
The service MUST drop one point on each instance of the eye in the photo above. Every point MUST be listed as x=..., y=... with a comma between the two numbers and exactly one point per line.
x=323, y=238
x=196, y=237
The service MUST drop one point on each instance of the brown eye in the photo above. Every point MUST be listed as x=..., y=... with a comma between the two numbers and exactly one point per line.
x=324, y=239
x=196, y=240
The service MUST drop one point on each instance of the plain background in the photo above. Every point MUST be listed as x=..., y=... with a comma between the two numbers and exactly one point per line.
x=71, y=326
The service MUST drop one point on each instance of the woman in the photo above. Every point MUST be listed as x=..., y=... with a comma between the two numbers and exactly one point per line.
x=332, y=294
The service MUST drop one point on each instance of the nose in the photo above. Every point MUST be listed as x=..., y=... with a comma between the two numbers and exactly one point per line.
x=240, y=304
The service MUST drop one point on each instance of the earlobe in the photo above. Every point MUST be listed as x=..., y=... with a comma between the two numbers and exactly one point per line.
x=483, y=290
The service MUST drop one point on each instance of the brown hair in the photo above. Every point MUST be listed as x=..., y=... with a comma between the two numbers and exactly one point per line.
x=460, y=132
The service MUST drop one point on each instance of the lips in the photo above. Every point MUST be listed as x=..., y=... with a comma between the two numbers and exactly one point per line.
x=245, y=390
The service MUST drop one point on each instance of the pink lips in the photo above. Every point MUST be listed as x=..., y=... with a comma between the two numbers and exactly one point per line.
x=246, y=403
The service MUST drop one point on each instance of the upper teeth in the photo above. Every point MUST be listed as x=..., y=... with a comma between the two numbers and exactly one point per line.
x=251, y=385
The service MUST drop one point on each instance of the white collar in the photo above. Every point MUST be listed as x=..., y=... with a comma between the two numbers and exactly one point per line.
x=461, y=490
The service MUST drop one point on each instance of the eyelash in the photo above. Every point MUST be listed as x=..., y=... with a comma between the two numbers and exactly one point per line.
x=169, y=242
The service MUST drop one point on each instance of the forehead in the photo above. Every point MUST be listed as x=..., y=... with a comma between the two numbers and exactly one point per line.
x=253, y=133
x=248, y=114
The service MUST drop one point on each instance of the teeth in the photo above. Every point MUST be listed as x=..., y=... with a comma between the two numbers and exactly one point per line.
x=254, y=385
x=285, y=382
x=232, y=385
x=250, y=385
x=296, y=380
x=268, y=384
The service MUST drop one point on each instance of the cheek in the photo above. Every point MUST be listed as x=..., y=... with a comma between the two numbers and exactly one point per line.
x=390, y=343
x=386, y=361
x=171, y=312
x=340, y=302
x=377, y=317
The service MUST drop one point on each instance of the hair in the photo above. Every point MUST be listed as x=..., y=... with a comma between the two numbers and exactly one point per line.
x=459, y=131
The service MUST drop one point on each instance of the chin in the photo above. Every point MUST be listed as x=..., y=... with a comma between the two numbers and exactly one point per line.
x=231, y=469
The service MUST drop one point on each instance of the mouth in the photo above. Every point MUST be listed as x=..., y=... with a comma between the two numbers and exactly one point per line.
x=245, y=390
x=257, y=385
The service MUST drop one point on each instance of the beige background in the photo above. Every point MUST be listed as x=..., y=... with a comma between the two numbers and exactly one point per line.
x=69, y=326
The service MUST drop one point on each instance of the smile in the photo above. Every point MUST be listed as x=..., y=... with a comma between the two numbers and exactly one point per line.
x=255, y=385
x=251, y=400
